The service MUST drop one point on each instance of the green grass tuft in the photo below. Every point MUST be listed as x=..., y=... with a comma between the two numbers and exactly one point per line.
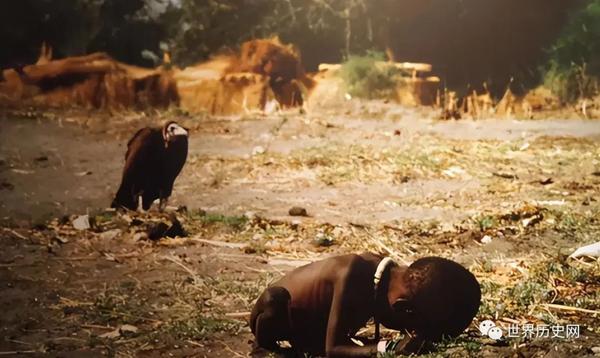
x=365, y=78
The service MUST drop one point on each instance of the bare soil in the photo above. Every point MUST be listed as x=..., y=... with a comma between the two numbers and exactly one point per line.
x=508, y=199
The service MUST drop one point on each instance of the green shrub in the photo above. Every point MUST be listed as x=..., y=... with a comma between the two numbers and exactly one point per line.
x=364, y=78
x=573, y=68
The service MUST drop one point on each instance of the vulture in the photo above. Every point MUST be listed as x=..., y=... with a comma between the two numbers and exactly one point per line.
x=154, y=158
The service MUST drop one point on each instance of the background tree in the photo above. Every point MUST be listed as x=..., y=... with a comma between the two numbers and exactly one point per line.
x=573, y=68
x=466, y=41
x=74, y=27
x=25, y=24
x=124, y=29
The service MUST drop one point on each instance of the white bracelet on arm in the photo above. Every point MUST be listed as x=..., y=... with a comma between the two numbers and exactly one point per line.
x=381, y=346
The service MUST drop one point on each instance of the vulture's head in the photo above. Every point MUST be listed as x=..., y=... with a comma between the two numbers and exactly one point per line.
x=172, y=130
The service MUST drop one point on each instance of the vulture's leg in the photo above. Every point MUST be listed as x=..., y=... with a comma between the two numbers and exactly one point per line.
x=140, y=203
x=162, y=204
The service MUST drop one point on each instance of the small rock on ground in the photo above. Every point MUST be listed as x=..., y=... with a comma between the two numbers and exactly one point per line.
x=298, y=211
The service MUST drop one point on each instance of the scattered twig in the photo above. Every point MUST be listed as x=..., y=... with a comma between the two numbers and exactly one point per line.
x=391, y=227
x=195, y=343
x=132, y=316
x=238, y=314
x=569, y=308
x=231, y=245
x=510, y=320
x=20, y=236
x=360, y=226
x=255, y=269
x=78, y=258
x=505, y=175
x=237, y=354
x=97, y=326
x=19, y=265
x=273, y=261
x=580, y=260
x=384, y=247
x=550, y=313
x=187, y=269
x=20, y=342
x=68, y=339
x=74, y=303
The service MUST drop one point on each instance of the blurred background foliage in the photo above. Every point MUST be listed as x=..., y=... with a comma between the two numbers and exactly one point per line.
x=367, y=77
x=573, y=67
x=467, y=41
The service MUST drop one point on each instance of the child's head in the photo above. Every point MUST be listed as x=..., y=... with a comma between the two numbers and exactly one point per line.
x=443, y=297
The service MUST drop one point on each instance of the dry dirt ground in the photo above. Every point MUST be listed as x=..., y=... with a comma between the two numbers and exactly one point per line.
x=509, y=199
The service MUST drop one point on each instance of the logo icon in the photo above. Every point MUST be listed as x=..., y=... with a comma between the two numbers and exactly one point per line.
x=495, y=333
x=488, y=328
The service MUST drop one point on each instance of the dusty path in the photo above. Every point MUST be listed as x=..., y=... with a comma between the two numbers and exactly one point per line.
x=51, y=170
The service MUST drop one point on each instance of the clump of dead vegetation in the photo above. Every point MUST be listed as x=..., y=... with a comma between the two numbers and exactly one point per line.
x=92, y=81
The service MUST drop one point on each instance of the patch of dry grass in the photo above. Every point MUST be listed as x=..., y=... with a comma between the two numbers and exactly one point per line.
x=546, y=289
x=425, y=157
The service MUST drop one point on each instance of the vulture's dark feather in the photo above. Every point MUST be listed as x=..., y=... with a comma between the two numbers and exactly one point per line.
x=152, y=162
